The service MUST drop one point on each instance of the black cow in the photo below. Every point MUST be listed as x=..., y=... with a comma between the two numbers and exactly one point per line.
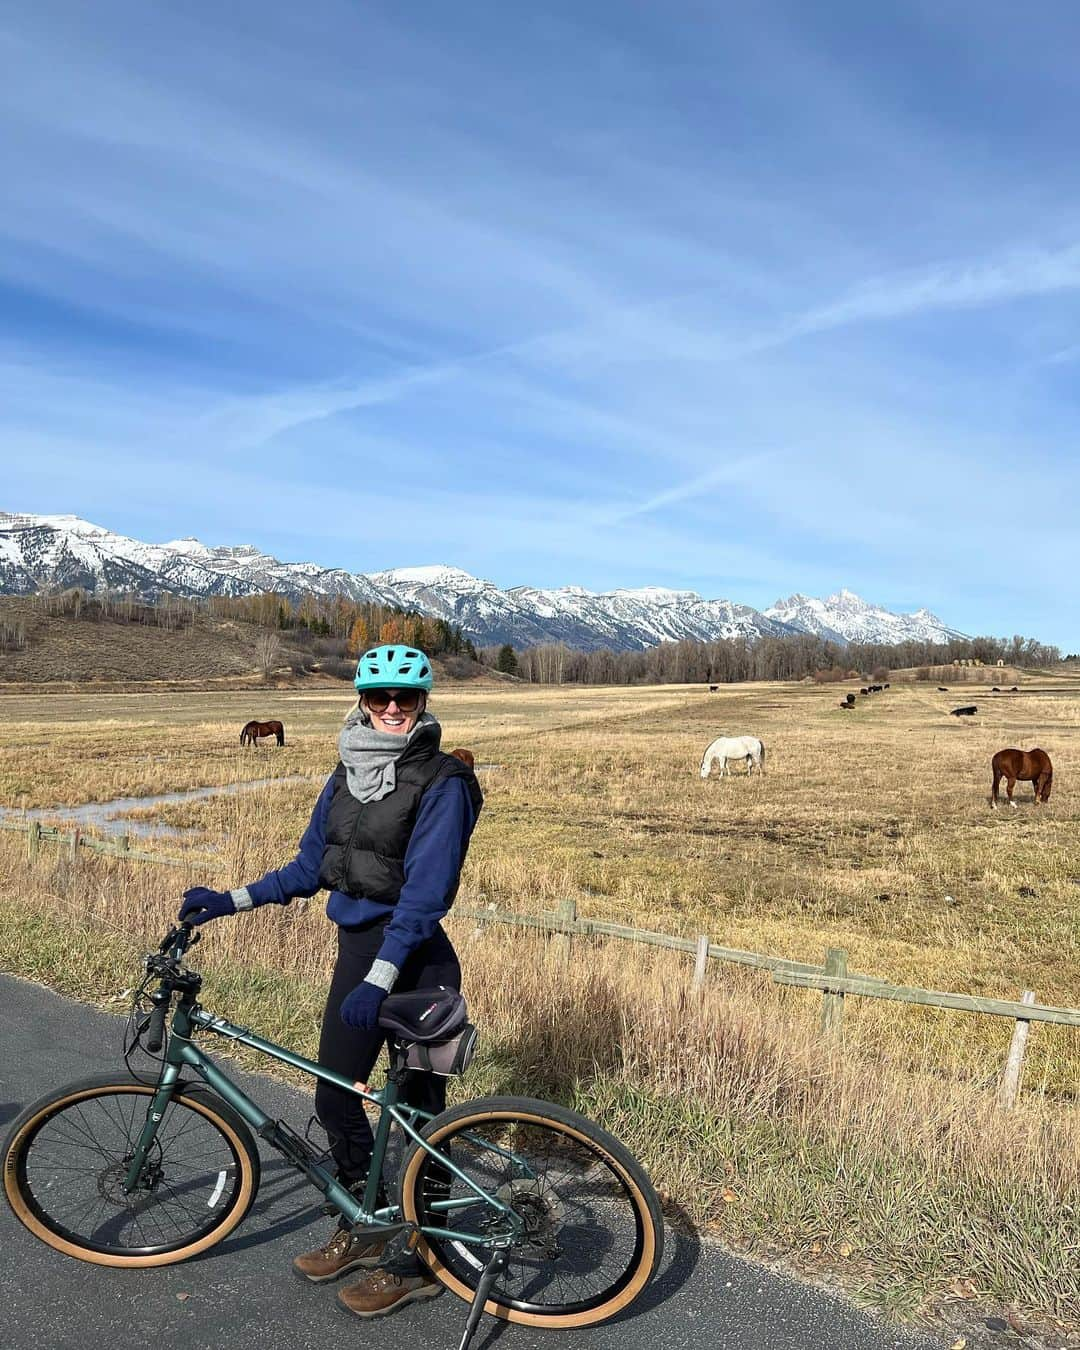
x=714, y=688
x=864, y=691
x=964, y=712
x=885, y=685
x=846, y=706
x=1015, y=689
x=995, y=690
x=942, y=689
x=850, y=698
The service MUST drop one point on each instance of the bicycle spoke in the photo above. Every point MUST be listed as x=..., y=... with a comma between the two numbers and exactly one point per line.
x=76, y=1172
x=580, y=1231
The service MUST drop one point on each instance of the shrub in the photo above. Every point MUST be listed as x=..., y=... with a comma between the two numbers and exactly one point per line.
x=338, y=667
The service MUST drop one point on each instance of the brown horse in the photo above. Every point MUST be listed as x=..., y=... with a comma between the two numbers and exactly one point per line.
x=251, y=733
x=1030, y=766
x=466, y=756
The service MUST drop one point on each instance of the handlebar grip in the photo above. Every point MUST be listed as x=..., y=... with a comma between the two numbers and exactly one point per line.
x=156, y=1030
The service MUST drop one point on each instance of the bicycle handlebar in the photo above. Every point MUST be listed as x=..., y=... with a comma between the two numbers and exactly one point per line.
x=155, y=1035
x=179, y=939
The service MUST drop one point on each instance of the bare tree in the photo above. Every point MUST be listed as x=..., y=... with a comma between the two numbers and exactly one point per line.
x=268, y=652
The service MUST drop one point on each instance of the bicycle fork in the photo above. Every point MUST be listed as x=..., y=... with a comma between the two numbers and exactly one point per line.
x=140, y=1176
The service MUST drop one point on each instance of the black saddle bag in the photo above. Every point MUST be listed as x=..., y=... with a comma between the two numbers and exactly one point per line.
x=432, y=1028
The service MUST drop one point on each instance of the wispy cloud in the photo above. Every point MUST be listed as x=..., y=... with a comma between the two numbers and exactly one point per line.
x=747, y=299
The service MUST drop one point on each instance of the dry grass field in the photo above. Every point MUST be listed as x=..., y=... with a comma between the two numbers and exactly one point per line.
x=870, y=830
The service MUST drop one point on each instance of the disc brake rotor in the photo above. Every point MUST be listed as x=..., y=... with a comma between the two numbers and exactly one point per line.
x=539, y=1207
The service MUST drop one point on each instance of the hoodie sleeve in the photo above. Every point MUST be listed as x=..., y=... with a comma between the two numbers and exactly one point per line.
x=299, y=877
x=433, y=862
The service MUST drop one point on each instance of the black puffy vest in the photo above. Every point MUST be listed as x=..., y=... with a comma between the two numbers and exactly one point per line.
x=364, y=854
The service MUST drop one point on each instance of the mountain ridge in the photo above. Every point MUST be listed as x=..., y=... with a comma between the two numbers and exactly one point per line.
x=38, y=552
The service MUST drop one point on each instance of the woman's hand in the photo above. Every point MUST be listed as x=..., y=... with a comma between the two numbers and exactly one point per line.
x=360, y=1009
x=201, y=904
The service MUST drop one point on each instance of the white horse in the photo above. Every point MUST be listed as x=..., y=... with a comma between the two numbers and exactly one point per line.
x=725, y=748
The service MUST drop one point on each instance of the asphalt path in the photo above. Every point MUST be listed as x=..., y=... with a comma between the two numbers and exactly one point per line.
x=242, y=1292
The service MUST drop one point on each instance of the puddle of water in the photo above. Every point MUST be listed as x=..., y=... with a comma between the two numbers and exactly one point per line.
x=111, y=818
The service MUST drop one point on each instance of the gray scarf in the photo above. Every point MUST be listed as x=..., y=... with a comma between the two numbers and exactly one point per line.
x=370, y=756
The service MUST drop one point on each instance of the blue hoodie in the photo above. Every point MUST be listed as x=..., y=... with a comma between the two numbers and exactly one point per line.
x=433, y=862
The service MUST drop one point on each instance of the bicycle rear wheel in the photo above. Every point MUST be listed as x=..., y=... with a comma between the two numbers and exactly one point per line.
x=67, y=1155
x=593, y=1231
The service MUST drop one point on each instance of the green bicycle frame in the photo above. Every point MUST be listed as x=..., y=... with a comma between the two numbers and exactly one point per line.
x=183, y=1053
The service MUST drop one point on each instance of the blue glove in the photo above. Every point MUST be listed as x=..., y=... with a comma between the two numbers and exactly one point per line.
x=201, y=904
x=360, y=1009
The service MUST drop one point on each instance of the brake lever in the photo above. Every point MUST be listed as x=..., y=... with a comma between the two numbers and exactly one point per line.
x=173, y=934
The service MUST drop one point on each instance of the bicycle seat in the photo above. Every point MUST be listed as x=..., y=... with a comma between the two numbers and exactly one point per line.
x=424, y=1015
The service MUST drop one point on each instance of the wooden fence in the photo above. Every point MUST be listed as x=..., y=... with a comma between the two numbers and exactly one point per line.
x=832, y=978
x=73, y=840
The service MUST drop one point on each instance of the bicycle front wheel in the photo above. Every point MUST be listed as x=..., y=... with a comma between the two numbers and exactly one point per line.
x=591, y=1232
x=67, y=1156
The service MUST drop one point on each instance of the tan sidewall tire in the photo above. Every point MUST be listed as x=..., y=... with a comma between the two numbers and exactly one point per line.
x=40, y=1230
x=621, y=1300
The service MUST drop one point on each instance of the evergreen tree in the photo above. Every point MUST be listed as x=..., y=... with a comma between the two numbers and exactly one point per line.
x=507, y=660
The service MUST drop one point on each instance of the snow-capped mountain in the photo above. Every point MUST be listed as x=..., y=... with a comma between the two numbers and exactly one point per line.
x=49, y=551
x=845, y=617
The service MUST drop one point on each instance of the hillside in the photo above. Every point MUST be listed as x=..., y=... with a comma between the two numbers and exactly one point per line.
x=61, y=649
x=65, y=648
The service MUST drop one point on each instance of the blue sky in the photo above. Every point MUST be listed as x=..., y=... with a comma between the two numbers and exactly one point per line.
x=748, y=299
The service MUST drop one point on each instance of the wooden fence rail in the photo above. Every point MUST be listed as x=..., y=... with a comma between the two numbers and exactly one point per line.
x=73, y=840
x=832, y=978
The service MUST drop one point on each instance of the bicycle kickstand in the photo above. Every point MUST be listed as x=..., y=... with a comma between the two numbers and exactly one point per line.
x=495, y=1266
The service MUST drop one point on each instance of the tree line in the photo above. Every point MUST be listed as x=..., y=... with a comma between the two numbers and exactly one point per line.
x=328, y=631
x=332, y=632
x=729, y=660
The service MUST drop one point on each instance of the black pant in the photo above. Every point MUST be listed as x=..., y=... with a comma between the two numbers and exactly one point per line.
x=354, y=1053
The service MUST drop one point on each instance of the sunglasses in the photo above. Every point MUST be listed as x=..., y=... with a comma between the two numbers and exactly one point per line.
x=378, y=700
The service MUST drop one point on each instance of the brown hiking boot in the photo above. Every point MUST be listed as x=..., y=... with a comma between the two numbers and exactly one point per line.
x=344, y=1252
x=383, y=1292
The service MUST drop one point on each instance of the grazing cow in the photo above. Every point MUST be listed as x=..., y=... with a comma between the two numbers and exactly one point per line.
x=1015, y=689
x=942, y=689
x=466, y=756
x=995, y=690
x=714, y=688
x=846, y=705
x=747, y=748
x=970, y=711
x=864, y=691
x=885, y=685
x=850, y=698
x=1030, y=766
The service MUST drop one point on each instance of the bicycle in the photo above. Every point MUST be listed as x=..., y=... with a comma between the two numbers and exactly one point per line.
x=523, y=1208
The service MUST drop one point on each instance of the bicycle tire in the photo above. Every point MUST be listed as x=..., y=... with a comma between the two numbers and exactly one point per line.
x=72, y=1143
x=458, y=1265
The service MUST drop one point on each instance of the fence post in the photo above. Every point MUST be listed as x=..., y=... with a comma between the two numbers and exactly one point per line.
x=123, y=843
x=832, y=1004
x=561, y=941
x=1014, y=1064
x=701, y=961
x=33, y=840
x=74, y=845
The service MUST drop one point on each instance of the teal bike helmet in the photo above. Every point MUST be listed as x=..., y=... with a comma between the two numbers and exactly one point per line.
x=395, y=666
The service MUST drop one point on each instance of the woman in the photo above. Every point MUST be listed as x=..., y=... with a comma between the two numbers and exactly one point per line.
x=387, y=838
